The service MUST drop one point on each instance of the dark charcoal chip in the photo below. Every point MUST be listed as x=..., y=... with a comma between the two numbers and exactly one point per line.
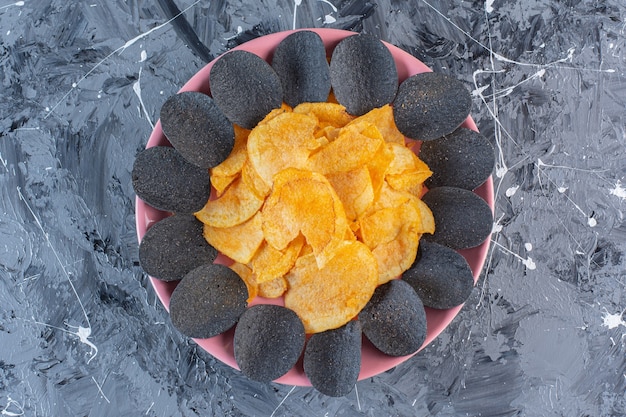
x=440, y=276
x=173, y=247
x=462, y=219
x=430, y=105
x=208, y=301
x=197, y=128
x=363, y=74
x=268, y=341
x=332, y=359
x=245, y=87
x=394, y=319
x=300, y=62
x=165, y=180
x=463, y=159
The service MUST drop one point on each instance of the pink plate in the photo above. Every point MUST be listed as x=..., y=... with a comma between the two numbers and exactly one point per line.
x=373, y=361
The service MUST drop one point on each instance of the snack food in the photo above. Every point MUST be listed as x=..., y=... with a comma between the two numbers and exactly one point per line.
x=373, y=362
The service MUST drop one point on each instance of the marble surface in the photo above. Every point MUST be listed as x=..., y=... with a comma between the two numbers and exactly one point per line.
x=81, y=330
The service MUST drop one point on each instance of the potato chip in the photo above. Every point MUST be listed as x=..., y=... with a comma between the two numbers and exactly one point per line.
x=355, y=146
x=329, y=297
x=274, y=288
x=378, y=167
x=254, y=181
x=394, y=256
x=406, y=172
x=304, y=202
x=243, y=248
x=221, y=182
x=427, y=221
x=354, y=189
x=247, y=276
x=382, y=117
x=235, y=206
x=284, y=141
x=327, y=114
x=233, y=164
x=381, y=226
x=270, y=263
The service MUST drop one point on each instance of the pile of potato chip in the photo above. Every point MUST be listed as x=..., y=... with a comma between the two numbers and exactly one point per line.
x=319, y=207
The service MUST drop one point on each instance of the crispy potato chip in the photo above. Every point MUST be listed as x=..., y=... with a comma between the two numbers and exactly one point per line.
x=327, y=114
x=242, y=249
x=233, y=164
x=427, y=221
x=247, y=276
x=396, y=255
x=225, y=173
x=270, y=263
x=274, y=288
x=378, y=167
x=355, y=146
x=354, y=189
x=254, y=181
x=285, y=141
x=394, y=198
x=381, y=226
x=382, y=117
x=406, y=172
x=235, y=206
x=284, y=108
x=329, y=297
x=304, y=202
x=221, y=182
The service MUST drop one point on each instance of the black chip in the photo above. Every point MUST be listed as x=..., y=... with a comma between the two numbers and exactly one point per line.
x=173, y=247
x=300, y=62
x=463, y=159
x=197, y=128
x=268, y=341
x=394, y=319
x=245, y=87
x=332, y=359
x=440, y=276
x=165, y=180
x=430, y=105
x=208, y=301
x=462, y=219
x=363, y=74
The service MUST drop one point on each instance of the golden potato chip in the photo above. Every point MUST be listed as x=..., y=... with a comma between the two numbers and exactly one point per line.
x=382, y=117
x=394, y=198
x=378, y=167
x=304, y=202
x=396, y=255
x=221, y=182
x=427, y=221
x=327, y=114
x=249, y=238
x=406, y=172
x=270, y=263
x=354, y=189
x=381, y=226
x=355, y=146
x=274, y=288
x=329, y=297
x=225, y=173
x=247, y=276
x=233, y=164
x=254, y=181
x=285, y=141
x=235, y=206
x=284, y=108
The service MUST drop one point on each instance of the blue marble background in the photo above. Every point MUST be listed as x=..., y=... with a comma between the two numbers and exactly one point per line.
x=81, y=330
